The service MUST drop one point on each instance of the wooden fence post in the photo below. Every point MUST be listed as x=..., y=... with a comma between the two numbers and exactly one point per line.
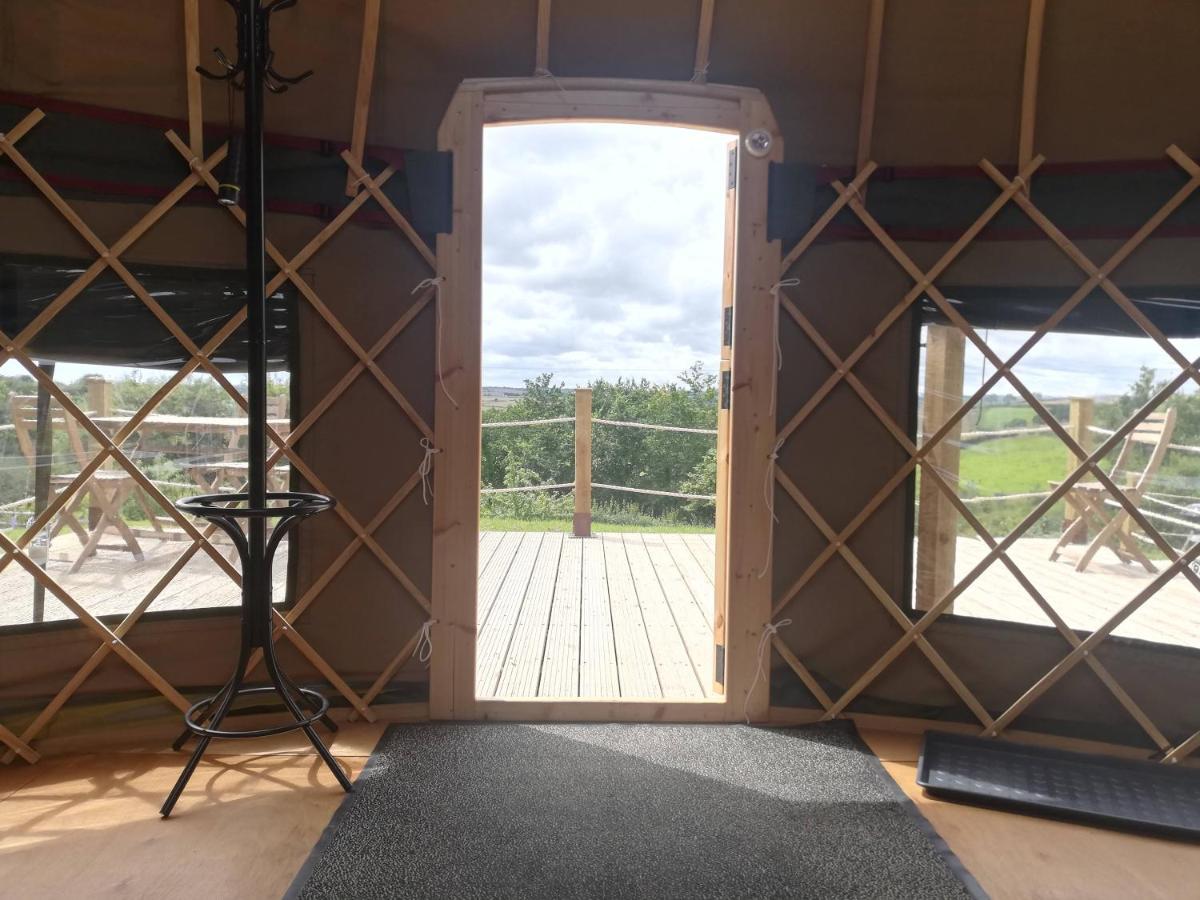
x=99, y=403
x=1079, y=426
x=99, y=395
x=583, y=463
x=937, y=522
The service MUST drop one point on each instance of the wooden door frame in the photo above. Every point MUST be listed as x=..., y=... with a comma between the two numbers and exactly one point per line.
x=457, y=432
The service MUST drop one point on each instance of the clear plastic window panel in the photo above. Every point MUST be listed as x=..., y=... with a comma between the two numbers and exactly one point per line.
x=1004, y=518
x=106, y=419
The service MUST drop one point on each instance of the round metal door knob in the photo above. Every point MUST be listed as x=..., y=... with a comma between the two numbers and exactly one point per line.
x=759, y=142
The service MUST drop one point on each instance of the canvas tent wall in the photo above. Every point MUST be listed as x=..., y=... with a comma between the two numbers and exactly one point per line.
x=1114, y=89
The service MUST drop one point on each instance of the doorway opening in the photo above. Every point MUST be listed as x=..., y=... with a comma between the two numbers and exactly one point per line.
x=606, y=319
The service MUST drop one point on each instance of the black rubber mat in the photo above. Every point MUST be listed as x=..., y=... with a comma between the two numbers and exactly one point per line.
x=1135, y=795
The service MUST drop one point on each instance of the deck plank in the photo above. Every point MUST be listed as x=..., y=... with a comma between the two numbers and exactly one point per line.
x=496, y=632
x=676, y=675
x=635, y=660
x=488, y=542
x=598, y=676
x=693, y=627
x=699, y=580
x=522, y=665
x=560, y=656
x=492, y=575
x=704, y=547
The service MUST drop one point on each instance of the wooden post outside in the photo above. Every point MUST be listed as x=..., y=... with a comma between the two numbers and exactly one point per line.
x=582, y=526
x=1079, y=426
x=99, y=395
x=43, y=460
x=937, y=519
x=99, y=403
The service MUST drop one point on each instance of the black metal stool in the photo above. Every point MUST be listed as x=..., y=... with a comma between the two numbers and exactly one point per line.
x=289, y=507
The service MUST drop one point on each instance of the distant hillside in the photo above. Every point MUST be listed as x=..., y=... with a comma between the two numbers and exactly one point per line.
x=500, y=397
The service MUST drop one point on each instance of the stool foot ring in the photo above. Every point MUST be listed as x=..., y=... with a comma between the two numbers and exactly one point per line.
x=203, y=719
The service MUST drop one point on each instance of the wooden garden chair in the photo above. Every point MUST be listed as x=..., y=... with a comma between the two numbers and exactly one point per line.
x=1088, y=499
x=106, y=489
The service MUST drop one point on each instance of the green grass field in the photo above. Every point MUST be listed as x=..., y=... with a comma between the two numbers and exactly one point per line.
x=1014, y=465
x=995, y=418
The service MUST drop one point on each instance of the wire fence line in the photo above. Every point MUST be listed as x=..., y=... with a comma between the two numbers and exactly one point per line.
x=527, y=422
x=1184, y=448
x=682, y=495
x=633, y=490
x=525, y=487
x=678, y=428
x=609, y=487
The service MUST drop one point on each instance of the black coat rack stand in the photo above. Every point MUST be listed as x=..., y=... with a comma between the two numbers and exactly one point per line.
x=252, y=72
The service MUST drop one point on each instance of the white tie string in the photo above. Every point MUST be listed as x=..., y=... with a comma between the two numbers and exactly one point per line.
x=541, y=72
x=769, y=631
x=769, y=477
x=425, y=641
x=426, y=468
x=436, y=284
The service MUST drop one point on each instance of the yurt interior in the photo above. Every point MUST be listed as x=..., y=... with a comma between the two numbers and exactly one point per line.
x=597, y=448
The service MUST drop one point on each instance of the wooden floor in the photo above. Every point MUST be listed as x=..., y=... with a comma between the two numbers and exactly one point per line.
x=1027, y=858
x=113, y=582
x=1083, y=599
x=87, y=825
x=614, y=615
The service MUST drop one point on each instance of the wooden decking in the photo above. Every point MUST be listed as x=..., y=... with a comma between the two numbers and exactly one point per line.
x=112, y=582
x=615, y=615
x=618, y=615
x=1085, y=600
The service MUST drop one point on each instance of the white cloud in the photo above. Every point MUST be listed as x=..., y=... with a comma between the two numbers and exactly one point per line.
x=602, y=251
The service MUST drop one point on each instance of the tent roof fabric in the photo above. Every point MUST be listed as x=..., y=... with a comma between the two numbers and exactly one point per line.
x=950, y=72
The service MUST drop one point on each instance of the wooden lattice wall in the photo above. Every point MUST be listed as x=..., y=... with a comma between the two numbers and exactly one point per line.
x=900, y=84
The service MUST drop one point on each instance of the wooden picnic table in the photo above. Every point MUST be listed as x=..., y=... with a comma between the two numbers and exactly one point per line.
x=208, y=474
x=235, y=426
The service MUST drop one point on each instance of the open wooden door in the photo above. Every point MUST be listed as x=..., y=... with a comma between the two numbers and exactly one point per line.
x=720, y=582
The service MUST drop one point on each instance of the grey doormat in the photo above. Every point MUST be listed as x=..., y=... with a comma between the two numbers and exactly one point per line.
x=661, y=811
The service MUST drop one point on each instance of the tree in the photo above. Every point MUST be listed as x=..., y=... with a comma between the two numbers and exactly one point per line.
x=631, y=457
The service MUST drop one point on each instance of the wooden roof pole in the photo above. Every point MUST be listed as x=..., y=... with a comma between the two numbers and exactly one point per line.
x=1029, y=84
x=704, y=41
x=362, y=96
x=866, y=112
x=541, y=54
x=195, y=108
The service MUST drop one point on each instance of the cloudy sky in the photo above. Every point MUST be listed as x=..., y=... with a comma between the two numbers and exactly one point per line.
x=603, y=254
x=1072, y=365
x=602, y=251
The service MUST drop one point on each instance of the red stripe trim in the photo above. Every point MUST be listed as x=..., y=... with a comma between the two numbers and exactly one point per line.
x=828, y=174
x=835, y=233
x=393, y=155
